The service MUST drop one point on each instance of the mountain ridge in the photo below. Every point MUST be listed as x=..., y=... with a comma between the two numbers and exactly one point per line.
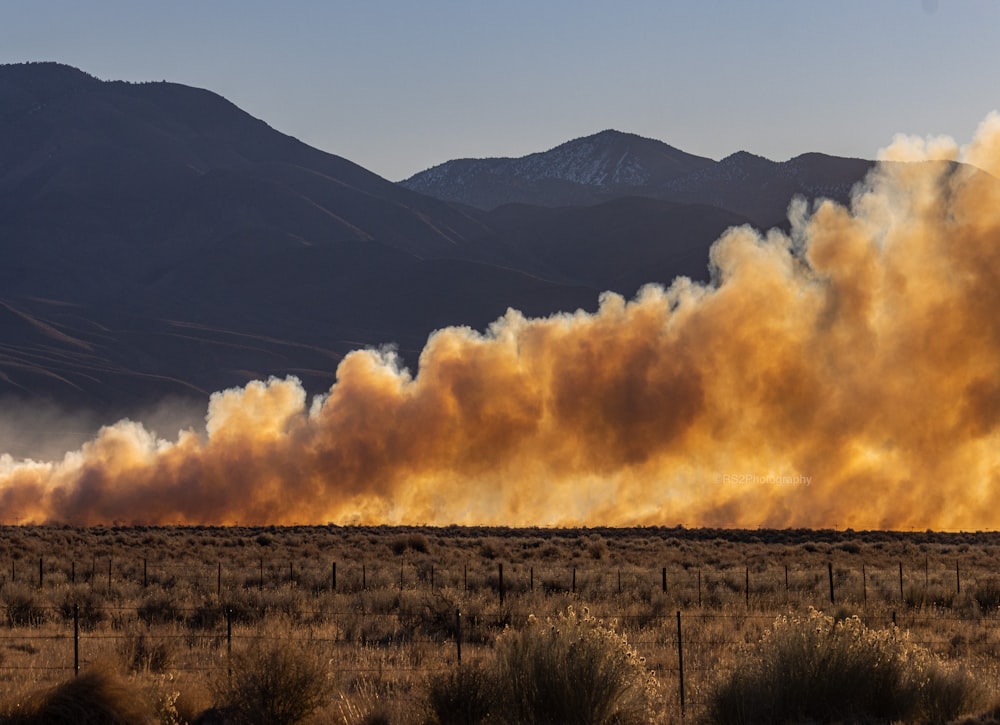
x=742, y=182
x=158, y=241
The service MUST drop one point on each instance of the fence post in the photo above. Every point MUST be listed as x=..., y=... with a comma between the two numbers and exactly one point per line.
x=900, y=581
x=786, y=583
x=145, y=580
x=229, y=640
x=664, y=578
x=574, y=580
x=458, y=635
x=72, y=573
x=829, y=571
x=699, y=588
x=76, y=640
x=500, y=569
x=364, y=578
x=864, y=587
x=41, y=574
x=748, y=587
x=958, y=580
x=680, y=661
x=218, y=580
x=333, y=577
x=109, y=575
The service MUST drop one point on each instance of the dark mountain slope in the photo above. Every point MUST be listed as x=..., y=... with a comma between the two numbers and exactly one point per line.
x=618, y=245
x=154, y=238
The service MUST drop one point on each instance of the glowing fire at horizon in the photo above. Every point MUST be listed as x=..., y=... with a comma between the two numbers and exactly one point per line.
x=844, y=374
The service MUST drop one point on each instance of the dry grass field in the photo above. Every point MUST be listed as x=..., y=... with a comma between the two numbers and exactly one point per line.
x=367, y=624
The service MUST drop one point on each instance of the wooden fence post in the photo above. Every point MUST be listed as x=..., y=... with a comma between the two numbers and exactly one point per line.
x=829, y=571
x=680, y=662
x=76, y=640
x=229, y=640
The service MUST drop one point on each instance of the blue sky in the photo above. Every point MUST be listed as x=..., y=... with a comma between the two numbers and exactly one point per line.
x=398, y=86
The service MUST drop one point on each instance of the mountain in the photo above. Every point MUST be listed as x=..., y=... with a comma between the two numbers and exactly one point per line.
x=155, y=239
x=158, y=242
x=580, y=172
x=612, y=164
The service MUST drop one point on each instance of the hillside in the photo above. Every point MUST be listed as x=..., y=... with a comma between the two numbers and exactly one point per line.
x=155, y=238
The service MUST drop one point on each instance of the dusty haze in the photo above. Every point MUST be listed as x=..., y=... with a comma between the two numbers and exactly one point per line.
x=847, y=374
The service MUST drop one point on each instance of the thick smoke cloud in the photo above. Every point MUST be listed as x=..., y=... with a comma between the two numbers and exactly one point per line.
x=845, y=374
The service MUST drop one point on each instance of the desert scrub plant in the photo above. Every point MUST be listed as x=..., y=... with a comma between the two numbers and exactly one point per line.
x=23, y=607
x=273, y=682
x=818, y=668
x=96, y=696
x=572, y=668
x=461, y=696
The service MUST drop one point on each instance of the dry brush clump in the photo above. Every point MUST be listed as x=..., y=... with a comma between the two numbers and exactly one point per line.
x=816, y=668
x=97, y=697
x=277, y=681
x=570, y=668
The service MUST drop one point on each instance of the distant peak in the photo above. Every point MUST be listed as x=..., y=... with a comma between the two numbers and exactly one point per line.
x=49, y=69
x=742, y=157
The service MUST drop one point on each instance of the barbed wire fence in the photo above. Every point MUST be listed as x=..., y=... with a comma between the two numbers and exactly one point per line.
x=686, y=621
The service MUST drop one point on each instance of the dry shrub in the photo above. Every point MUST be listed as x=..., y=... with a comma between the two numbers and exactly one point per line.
x=23, y=607
x=89, y=606
x=140, y=651
x=463, y=696
x=96, y=697
x=817, y=668
x=273, y=682
x=570, y=669
x=366, y=704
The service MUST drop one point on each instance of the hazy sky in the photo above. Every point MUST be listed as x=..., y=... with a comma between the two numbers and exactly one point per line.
x=398, y=86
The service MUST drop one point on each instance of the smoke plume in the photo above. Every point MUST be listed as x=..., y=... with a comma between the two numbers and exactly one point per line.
x=844, y=374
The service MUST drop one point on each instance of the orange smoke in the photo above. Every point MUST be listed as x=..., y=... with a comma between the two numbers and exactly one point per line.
x=847, y=374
